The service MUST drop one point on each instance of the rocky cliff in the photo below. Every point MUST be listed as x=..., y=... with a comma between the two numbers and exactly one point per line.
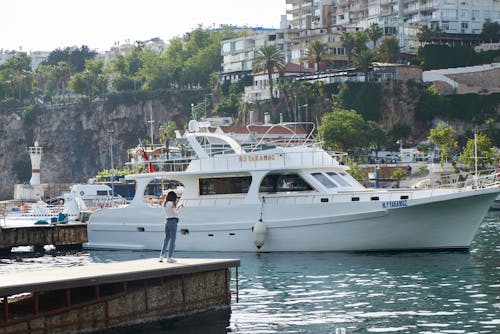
x=76, y=139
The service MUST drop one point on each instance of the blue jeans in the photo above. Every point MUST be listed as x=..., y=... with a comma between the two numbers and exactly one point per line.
x=170, y=234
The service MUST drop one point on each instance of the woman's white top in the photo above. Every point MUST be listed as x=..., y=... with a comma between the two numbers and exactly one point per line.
x=170, y=210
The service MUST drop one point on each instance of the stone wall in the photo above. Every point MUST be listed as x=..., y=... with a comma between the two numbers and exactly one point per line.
x=141, y=301
x=405, y=73
x=478, y=82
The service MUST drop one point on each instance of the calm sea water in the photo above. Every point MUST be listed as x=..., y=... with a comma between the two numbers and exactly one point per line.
x=396, y=292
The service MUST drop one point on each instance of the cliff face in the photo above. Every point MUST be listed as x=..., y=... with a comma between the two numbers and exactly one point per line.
x=76, y=141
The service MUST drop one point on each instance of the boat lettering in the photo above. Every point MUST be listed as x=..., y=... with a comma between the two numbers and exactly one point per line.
x=258, y=157
x=395, y=204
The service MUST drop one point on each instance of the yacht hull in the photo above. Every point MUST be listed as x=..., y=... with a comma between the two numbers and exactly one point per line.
x=447, y=221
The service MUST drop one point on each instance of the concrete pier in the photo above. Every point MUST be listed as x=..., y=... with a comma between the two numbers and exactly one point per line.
x=102, y=296
x=60, y=235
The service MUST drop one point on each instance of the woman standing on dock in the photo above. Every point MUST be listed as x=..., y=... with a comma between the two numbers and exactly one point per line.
x=171, y=210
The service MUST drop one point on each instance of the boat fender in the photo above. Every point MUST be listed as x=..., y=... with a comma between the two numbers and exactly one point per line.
x=259, y=233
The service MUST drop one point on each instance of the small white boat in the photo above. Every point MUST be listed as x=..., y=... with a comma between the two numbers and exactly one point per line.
x=75, y=205
x=289, y=198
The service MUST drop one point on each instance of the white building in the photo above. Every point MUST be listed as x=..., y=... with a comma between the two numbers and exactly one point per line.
x=396, y=17
x=37, y=57
x=238, y=53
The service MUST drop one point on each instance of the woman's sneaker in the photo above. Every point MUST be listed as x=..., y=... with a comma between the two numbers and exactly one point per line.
x=171, y=260
x=161, y=259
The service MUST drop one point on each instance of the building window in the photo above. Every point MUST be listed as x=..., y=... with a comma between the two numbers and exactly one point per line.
x=225, y=185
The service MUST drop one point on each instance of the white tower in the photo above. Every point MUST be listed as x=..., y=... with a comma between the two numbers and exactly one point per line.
x=36, y=157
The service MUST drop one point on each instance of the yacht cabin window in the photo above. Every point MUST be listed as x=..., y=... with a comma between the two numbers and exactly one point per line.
x=339, y=179
x=283, y=182
x=324, y=180
x=225, y=185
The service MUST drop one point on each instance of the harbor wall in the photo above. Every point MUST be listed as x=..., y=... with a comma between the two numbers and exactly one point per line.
x=95, y=308
x=59, y=235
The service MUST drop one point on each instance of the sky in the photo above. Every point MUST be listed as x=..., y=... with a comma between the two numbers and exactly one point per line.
x=45, y=25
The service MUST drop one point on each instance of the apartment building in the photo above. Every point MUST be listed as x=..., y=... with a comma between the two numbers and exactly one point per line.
x=238, y=53
x=397, y=17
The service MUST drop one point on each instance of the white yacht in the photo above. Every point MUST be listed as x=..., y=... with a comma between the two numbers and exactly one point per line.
x=289, y=198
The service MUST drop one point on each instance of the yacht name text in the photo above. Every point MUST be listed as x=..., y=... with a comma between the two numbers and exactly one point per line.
x=394, y=204
x=258, y=157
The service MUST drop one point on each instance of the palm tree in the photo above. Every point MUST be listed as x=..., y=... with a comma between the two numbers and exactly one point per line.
x=363, y=61
x=167, y=134
x=62, y=74
x=348, y=42
x=269, y=58
x=316, y=52
x=374, y=33
x=389, y=50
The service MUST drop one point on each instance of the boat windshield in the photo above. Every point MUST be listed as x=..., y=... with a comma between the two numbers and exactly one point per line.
x=325, y=180
x=214, y=146
x=339, y=179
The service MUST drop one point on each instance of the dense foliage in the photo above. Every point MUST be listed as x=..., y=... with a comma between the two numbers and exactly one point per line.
x=437, y=56
x=189, y=62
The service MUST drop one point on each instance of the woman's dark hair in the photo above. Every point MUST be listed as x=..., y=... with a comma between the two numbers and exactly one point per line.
x=171, y=197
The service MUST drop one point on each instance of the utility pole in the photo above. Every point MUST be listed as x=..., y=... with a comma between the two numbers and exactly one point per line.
x=111, y=131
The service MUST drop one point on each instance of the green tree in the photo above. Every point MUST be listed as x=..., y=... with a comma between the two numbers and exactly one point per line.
x=18, y=71
x=91, y=81
x=374, y=33
x=491, y=31
x=75, y=57
x=486, y=153
x=230, y=106
x=400, y=131
x=269, y=59
x=342, y=129
x=444, y=138
x=389, y=50
x=153, y=73
x=375, y=135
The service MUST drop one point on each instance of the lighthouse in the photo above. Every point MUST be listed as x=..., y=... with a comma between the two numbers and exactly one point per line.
x=34, y=189
x=36, y=157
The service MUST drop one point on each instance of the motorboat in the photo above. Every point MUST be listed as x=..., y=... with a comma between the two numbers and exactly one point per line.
x=75, y=205
x=295, y=197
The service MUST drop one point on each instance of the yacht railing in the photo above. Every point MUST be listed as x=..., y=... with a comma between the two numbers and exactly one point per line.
x=308, y=141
